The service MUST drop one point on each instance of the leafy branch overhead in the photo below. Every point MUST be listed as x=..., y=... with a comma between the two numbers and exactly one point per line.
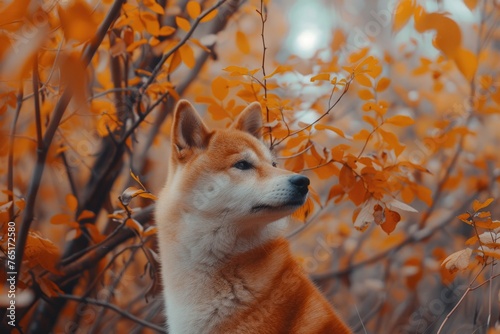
x=391, y=109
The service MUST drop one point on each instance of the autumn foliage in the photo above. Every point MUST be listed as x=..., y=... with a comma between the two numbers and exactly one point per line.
x=394, y=118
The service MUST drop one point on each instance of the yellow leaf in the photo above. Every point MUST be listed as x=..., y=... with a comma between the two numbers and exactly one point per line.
x=321, y=76
x=242, y=42
x=183, y=23
x=382, y=84
x=210, y=16
x=466, y=62
x=400, y=120
x=402, y=14
x=476, y=205
x=187, y=55
x=166, y=31
x=220, y=88
x=194, y=9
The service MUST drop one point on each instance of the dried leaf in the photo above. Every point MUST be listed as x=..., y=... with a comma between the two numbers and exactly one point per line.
x=458, y=261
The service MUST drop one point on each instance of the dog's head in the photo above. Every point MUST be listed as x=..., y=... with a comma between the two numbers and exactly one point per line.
x=229, y=174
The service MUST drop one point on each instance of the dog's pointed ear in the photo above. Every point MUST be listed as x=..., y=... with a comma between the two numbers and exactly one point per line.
x=188, y=129
x=250, y=120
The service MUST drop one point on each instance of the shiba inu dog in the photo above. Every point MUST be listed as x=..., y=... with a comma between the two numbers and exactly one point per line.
x=225, y=267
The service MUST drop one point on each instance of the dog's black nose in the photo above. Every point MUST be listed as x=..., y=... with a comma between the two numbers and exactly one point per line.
x=300, y=183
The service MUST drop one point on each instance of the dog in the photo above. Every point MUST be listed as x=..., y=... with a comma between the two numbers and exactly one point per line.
x=225, y=266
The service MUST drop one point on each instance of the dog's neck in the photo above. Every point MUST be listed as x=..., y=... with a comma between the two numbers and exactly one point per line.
x=212, y=242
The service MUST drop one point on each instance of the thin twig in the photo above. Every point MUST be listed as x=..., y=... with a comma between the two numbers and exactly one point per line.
x=10, y=167
x=183, y=41
x=263, y=18
x=469, y=288
x=114, y=308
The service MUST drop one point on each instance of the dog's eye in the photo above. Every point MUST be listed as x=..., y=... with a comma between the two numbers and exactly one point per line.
x=243, y=165
x=275, y=164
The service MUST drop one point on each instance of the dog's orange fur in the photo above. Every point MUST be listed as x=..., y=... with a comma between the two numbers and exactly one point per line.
x=225, y=267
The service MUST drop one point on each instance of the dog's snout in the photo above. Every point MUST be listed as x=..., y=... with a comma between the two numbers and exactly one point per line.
x=300, y=183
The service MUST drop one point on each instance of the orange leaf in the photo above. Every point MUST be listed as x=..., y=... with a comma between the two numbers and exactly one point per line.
x=321, y=76
x=48, y=287
x=154, y=6
x=183, y=23
x=134, y=225
x=402, y=14
x=210, y=16
x=238, y=70
x=151, y=23
x=86, y=214
x=392, y=218
x=363, y=80
x=42, y=252
x=382, y=84
x=220, y=88
x=357, y=194
x=366, y=94
x=72, y=202
x=335, y=191
x=166, y=31
x=194, y=9
x=471, y=4
x=400, y=120
x=77, y=21
x=61, y=218
x=278, y=70
x=424, y=194
x=346, y=177
x=476, y=205
x=331, y=128
x=187, y=55
x=242, y=42
x=466, y=62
